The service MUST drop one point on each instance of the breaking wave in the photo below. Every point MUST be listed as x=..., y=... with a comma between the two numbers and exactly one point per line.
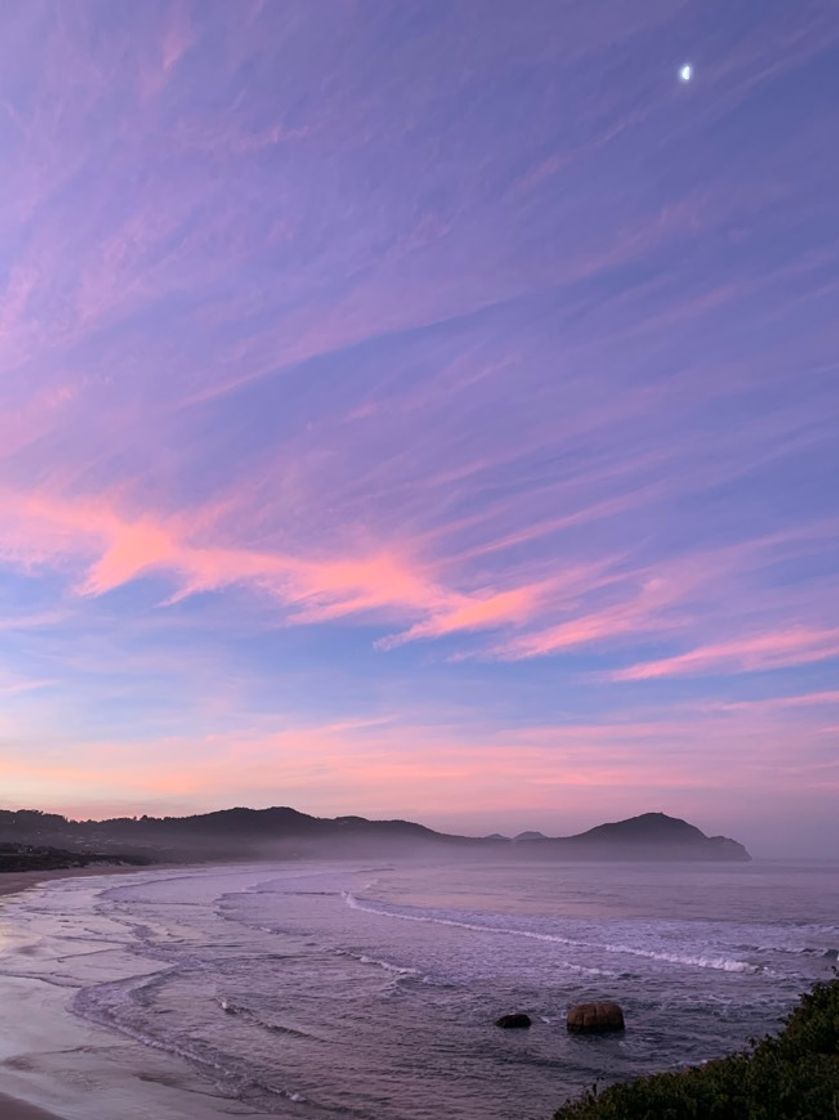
x=724, y=964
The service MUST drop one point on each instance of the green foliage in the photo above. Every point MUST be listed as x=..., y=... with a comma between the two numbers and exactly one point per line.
x=791, y=1076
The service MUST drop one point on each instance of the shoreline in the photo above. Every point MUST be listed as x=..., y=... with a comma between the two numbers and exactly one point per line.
x=60, y=1060
x=12, y=1108
x=16, y=882
x=57, y=1066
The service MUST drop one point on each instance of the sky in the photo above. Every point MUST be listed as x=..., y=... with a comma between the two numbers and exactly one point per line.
x=422, y=409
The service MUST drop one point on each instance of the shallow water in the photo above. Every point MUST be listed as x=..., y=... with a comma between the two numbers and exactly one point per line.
x=333, y=990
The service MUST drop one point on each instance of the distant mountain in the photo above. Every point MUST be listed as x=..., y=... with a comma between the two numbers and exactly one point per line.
x=649, y=828
x=228, y=833
x=653, y=836
x=283, y=832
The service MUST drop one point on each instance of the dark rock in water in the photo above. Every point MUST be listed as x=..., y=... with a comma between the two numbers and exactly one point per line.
x=517, y=1021
x=831, y=954
x=595, y=1017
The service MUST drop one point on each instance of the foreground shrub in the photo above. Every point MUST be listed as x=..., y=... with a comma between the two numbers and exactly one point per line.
x=790, y=1076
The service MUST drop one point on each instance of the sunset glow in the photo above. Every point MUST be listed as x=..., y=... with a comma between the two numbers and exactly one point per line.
x=413, y=414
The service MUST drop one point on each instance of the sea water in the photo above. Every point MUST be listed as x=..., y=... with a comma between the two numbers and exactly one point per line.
x=371, y=990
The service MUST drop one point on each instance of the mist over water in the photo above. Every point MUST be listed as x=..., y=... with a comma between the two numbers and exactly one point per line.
x=323, y=989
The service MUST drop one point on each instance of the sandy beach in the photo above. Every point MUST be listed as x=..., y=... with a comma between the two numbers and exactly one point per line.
x=12, y=1109
x=54, y=1065
x=12, y=882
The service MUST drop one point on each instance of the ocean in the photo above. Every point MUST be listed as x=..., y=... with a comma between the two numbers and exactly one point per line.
x=331, y=990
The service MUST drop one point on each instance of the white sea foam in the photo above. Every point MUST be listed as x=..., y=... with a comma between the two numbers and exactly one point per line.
x=388, y=966
x=725, y=964
x=358, y=904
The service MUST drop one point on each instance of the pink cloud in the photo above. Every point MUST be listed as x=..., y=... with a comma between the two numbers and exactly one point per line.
x=387, y=765
x=11, y=684
x=799, y=645
x=600, y=602
x=114, y=548
x=768, y=703
x=640, y=608
x=482, y=610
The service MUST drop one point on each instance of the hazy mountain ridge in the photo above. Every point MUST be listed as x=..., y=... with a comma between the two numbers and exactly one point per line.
x=651, y=836
x=283, y=831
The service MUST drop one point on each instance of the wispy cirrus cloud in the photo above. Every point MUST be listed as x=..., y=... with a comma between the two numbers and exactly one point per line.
x=112, y=549
x=825, y=698
x=488, y=361
x=798, y=645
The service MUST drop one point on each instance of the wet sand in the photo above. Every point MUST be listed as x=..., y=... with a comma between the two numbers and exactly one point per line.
x=11, y=1109
x=10, y=883
x=55, y=1066
x=13, y=881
